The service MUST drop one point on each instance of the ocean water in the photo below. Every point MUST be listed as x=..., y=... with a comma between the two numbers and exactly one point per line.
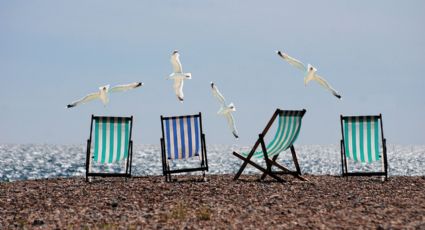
x=23, y=162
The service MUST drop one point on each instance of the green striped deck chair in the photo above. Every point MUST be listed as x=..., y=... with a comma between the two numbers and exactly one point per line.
x=286, y=134
x=109, y=143
x=363, y=142
x=182, y=139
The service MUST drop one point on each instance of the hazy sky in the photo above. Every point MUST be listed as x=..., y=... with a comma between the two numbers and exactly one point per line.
x=53, y=52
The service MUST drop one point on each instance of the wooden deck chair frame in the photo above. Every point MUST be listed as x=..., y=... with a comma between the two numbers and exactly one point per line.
x=89, y=156
x=271, y=162
x=344, y=165
x=203, y=150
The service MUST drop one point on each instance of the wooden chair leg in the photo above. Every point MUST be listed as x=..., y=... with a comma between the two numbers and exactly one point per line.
x=273, y=160
x=258, y=167
x=294, y=158
x=244, y=164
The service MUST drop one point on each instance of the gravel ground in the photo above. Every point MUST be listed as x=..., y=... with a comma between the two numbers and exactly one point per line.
x=323, y=202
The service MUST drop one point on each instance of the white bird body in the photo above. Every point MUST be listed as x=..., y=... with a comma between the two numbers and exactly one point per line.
x=310, y=73
x=178, y=76
x=103, y=93
x=225, y=110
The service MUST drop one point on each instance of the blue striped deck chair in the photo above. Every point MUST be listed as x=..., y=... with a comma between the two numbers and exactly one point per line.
x=363, y=142
x=286, y=134
x=109, y=143
x=182, y=138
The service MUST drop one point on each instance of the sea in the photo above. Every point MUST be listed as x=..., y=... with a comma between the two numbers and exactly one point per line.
x=39, y=161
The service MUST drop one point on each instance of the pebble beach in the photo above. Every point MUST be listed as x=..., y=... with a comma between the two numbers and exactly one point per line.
x=322, y=202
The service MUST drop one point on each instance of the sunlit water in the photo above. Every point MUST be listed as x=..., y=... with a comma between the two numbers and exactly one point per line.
x=22, y=162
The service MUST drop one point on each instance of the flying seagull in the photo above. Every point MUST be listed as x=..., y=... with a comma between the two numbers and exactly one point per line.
x=178, y=76
x=310, y=72
x=102, y=94
x=225, y=110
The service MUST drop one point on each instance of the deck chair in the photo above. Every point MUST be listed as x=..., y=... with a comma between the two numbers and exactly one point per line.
x=110, y=143
x=361, y=141
x=182, y=138
x=286, y=134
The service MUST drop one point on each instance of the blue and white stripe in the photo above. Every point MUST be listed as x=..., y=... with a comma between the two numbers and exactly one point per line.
x=182, y=137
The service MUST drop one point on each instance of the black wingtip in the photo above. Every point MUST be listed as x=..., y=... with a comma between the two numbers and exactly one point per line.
x=236, y=136
x=139, y=84
x=70, y=106
x=180, y=99
x=338, y=96
x=212, y=84
x=279, y=53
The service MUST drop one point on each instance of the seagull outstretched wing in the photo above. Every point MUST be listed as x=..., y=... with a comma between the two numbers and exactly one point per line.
x=217, y=94
x=175, y=61
x=121, y=88
x=326, y=85
x=292, y=61
x=231, y=123
x=178, y=89
x=85, y=99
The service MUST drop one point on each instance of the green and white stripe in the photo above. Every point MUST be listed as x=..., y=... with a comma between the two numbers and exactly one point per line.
x=361, y=138
x=286, y=134
x=111, y=139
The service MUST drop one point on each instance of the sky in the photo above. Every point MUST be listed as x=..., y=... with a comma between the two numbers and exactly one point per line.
x=54, y=52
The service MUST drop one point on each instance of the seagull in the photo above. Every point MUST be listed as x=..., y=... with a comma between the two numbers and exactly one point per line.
x=178, y=76
x=103, y=93
x=310, y=73
x=225, y=110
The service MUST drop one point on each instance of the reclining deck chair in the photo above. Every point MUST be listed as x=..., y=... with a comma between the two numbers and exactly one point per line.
x=361, y=141
x=182, y=138
x=111, y=143
x=286, y=134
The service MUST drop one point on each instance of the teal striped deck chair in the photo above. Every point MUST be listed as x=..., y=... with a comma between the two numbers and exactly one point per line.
x=363, y=142
x=182, y=139
x=286, y=134
x=110, y=143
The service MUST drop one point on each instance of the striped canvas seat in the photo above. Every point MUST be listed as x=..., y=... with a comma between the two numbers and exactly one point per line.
x=182, y=137
x=362, y=139
x=289, y=125
x=109, y=142
x=286, y=133
x=111, y=139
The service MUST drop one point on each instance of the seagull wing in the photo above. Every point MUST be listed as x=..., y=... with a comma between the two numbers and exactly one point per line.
x=231, y=123
x=178, y=89
x=175, y=61
x=85, y=99
x=120, y=88
x=217, y=94
x=292, y=61
x=326, y=85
